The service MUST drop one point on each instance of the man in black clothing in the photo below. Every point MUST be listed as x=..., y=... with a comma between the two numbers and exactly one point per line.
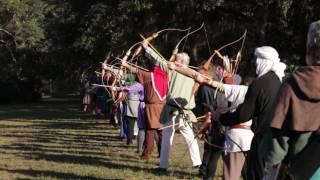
x=206, y=97
x=257, y=104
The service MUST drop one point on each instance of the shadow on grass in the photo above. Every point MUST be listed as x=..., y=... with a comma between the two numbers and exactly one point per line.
x=36, y=152
x=57, y=131
x=55, y=124
x=93, y=161
x=108, y=164
x=55, y=108
x=38, y=173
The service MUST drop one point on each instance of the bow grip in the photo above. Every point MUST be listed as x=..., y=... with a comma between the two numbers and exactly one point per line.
x=126, y=56
x=137, y=51
x=173, y=56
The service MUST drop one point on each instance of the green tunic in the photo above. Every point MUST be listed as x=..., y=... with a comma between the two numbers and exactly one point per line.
x=277, y=145
x=180, y=91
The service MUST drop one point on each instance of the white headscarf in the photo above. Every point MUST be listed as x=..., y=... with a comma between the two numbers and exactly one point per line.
x=268, y=60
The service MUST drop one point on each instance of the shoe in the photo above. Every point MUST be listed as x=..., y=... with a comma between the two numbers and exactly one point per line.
x=207, y=177
x=160, y=170
x=129, y=143
x=196, y=166
x=202, y=171
x=144, y=157
x=121, y=138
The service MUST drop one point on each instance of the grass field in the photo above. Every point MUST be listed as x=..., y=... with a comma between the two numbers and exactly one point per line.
x=54, y=140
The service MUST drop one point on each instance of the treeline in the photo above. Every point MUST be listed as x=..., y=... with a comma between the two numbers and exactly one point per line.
x=46, y=44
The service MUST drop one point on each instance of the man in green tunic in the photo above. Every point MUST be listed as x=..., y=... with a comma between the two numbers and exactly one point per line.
x=177, y=111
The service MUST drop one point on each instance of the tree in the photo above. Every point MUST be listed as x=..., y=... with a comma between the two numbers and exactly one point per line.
x=55, y=40
x=21, y=34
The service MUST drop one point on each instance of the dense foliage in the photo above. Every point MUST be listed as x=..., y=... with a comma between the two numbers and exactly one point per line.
x=53, y=41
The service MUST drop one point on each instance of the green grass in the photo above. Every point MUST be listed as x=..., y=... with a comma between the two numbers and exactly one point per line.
x=54, y=140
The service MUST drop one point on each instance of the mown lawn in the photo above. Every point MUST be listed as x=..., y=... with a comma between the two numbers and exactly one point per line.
x=54, y=140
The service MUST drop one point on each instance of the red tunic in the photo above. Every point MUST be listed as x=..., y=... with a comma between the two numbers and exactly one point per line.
x=154, y=105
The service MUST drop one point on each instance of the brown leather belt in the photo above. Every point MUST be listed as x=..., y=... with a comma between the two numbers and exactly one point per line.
x=240, y=126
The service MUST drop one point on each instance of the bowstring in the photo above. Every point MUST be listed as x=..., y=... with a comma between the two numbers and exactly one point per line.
x=185, y=41
x=207, y=39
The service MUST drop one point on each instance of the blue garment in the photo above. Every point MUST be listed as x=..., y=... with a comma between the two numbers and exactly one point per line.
x=316, y=175
x=123, y=121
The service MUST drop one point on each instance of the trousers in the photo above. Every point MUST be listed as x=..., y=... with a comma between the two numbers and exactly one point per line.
x=167, y=140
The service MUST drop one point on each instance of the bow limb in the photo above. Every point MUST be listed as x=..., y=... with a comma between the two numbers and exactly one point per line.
x=228, y=64
x=207, y=39
x=226, y=61
x=125, y=58
x=103, y=71
x=156, y=34
x=138, y=50
x=173, y=29
x=176, y=50
x=206, y=65
x=152, y=47
x=153, y=36
x=122, y=72
x=132, y=64
x=188, y=34
x=112, y=79
x=239, y=54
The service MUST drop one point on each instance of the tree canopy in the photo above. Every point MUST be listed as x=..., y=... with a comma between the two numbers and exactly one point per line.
x=55, y=40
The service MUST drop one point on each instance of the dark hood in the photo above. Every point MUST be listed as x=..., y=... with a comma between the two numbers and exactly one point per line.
x=308, y=81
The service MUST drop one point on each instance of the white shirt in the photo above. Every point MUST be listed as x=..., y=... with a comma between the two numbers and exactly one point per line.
x=242, y=137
